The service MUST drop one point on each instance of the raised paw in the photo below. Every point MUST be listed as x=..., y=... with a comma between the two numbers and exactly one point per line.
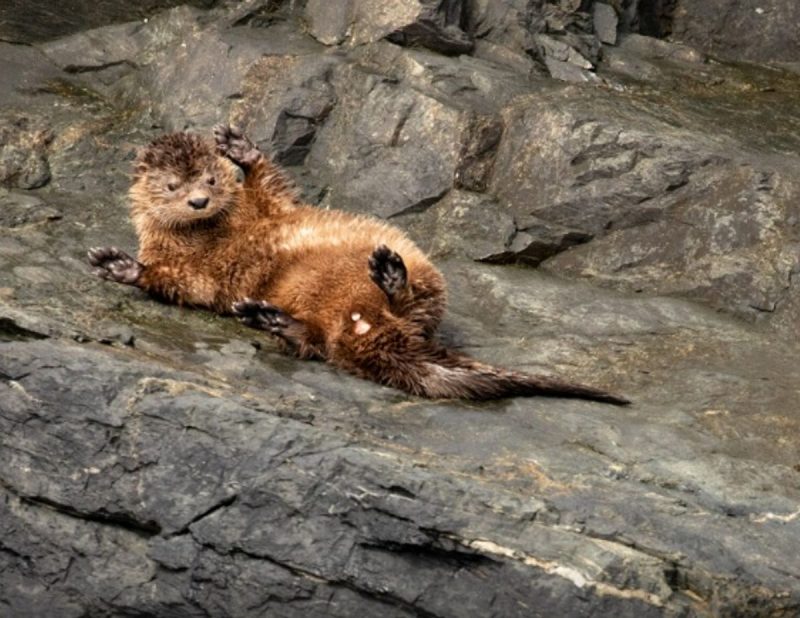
x=111, y=263
x=387, y=270
x=262, y=315
x=232, y=143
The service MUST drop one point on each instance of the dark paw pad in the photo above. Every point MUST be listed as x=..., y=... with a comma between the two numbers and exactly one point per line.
x=111, y=263
x=262, y=315
x=232, y=143
x=387, y=270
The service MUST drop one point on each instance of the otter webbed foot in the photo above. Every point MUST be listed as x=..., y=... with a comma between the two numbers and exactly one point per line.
x=233, y=144
x=388, y=271
x=262, y=315
x=115, y=265
x=294, y=334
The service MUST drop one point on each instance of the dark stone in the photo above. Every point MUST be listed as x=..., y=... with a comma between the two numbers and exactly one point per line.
x=724, y=27
x=29, y=21
x=482, y=136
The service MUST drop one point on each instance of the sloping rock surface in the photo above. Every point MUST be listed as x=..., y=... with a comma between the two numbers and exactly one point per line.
x=610, y=207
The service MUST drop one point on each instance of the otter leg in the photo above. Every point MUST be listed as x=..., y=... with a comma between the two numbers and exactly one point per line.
x=115, y=265
x=388, y=271
x=424, y=304
x=232, y=143
x=294, y=333
x=421, y=300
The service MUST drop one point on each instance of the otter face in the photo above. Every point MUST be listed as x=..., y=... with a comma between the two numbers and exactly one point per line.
x=180, y=180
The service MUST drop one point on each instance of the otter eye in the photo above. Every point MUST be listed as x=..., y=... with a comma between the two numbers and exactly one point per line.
x=211, y=181
x=172, y=186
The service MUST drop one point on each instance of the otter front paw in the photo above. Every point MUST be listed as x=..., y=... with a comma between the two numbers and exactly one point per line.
x=232, y=143
x=111, y=263
x=388, y=271
x=262, y=315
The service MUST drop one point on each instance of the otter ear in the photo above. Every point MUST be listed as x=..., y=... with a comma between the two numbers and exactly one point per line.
x=139, y=166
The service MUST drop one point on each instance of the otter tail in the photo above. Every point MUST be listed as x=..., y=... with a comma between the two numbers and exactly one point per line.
x=437, y=372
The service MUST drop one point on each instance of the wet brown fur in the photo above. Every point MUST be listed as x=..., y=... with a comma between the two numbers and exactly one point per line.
x=255, y=239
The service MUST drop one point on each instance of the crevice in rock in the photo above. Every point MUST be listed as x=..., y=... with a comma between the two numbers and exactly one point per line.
x=478, y=152
x=120, y=519
x=266, y=14
x=375, y=595
x=655, y=17
x=401, y=123
x=436, y=553
x=397, y=490
x=75, y=69
x=207, y=513
x=440, y=28
x=420, y=206
x=11, y=331
x=123, y=520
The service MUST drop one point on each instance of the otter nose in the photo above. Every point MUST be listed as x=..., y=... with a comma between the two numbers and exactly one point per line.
x=198, y=203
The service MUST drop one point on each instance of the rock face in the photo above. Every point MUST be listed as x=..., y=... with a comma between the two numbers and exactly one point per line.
x=614, y=208
x=726, y=27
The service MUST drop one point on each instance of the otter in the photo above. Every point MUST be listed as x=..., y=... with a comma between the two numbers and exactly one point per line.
x=327, y=284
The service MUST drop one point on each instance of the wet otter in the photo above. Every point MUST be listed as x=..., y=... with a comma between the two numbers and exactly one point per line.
x=328, y=284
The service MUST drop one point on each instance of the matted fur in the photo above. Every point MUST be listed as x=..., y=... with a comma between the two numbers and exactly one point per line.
x=255, y=240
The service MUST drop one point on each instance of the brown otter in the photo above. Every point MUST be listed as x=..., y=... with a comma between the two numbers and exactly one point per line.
x=329, y=284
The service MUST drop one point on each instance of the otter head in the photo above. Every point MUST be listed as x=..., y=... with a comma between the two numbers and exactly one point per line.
x=180, y=180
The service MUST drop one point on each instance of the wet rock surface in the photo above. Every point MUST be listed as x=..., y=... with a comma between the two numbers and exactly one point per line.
x=634, y=227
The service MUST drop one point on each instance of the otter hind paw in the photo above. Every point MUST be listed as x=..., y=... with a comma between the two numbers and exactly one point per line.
x=233, y=144
x=111, y=263
x=262, y=315
x=388, y=271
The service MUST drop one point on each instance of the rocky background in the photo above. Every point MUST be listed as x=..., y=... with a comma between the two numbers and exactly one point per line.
x=613, y=192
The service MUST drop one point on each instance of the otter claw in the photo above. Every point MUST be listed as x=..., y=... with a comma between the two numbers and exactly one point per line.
x=387, y=270
x=232, y=143
x=111, y=263
x=261, y=315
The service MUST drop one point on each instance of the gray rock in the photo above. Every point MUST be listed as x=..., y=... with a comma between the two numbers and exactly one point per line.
x=29, y=21
x=563, y=61
x=159, y=460
x=284, y=101
x=329, y=20
x=25, y=209
x=726, y=27
x=23, y=153
x=387, y=149
x=604, y=19
x=427, y=23
x=721, y=27
x=466, y=224
x=26, y=70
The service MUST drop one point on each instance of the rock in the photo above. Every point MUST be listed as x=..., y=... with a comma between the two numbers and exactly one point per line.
x=563, y=61
x=29, y=21
x=23, y=150
x=408, y=146
x=628, y=183
x=329, y=20
x=285, y=99
x=604, y=19
x=723, y=27
x=638, y=232
x=25, y=209
x=480, y=228
x=541, y=240
x=435, y=25
x=27, y=70
x=466, y=224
